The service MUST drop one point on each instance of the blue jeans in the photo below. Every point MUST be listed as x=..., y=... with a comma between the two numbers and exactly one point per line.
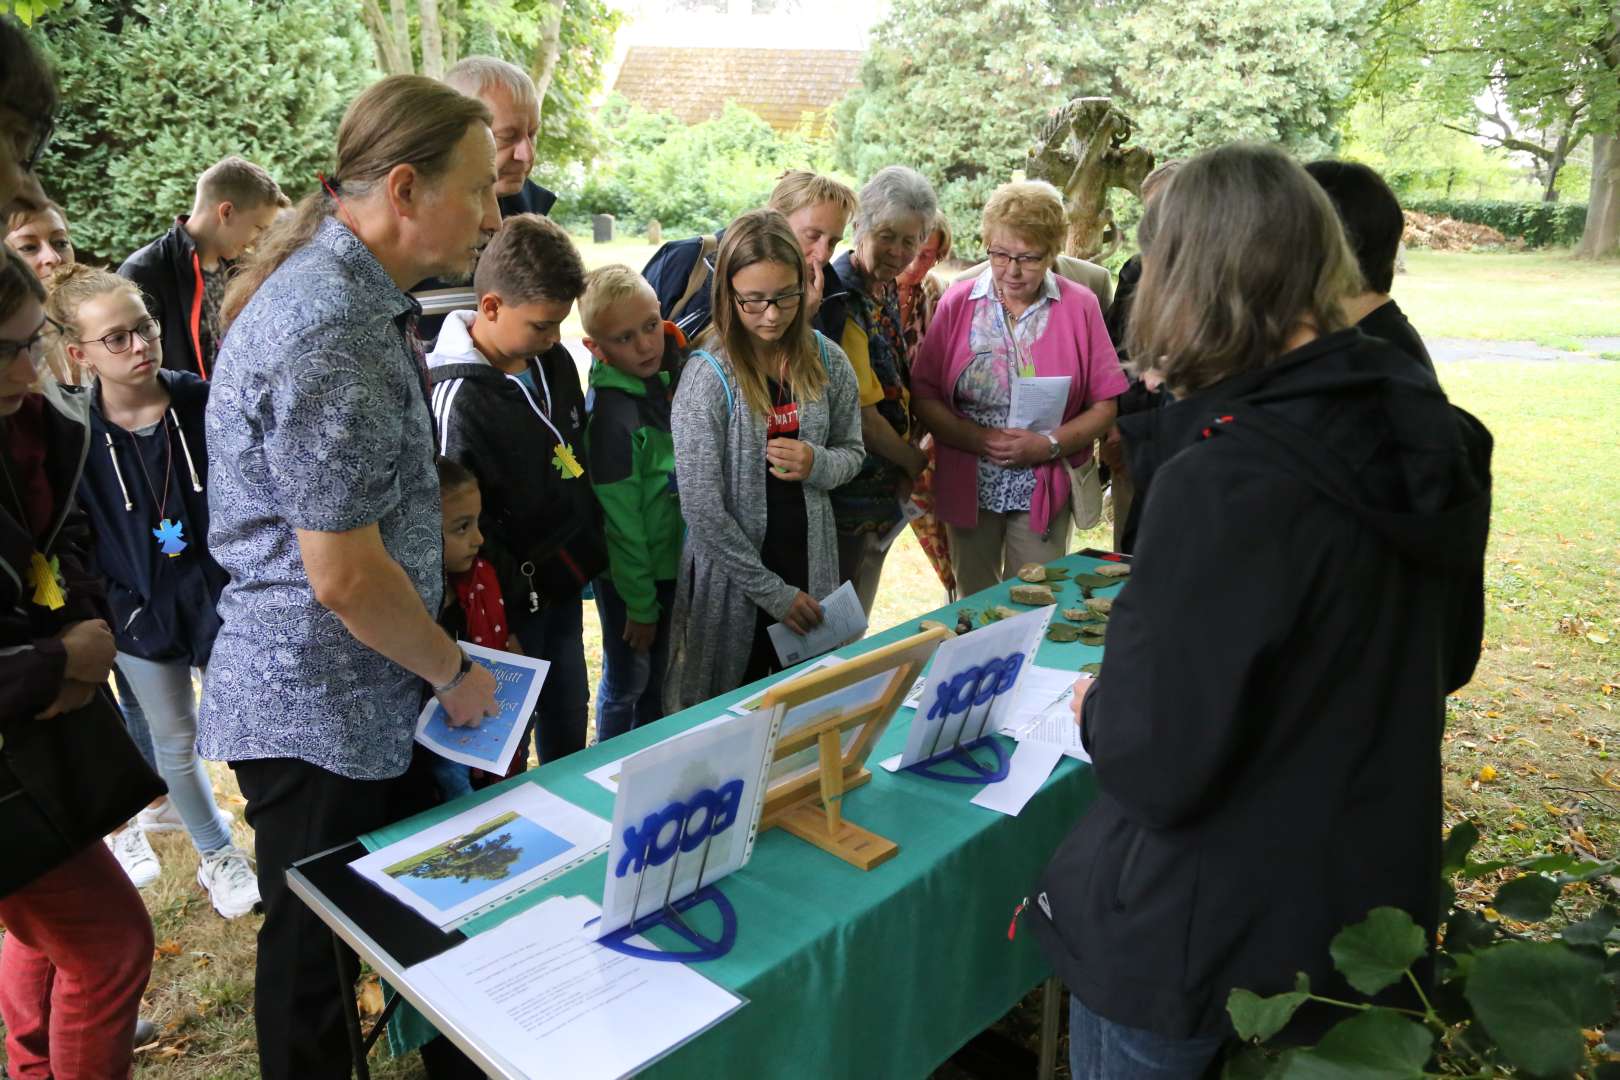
x=134, y=718
x=632, y=688
x=452, y=778
x=557, y=634
x=1100, y=1049
x=170, y=703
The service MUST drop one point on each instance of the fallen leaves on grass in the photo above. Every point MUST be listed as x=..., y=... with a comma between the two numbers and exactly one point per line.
x=167, y=948
x=1487, y=773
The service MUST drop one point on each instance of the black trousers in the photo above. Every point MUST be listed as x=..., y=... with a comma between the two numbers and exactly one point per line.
x=295, y=810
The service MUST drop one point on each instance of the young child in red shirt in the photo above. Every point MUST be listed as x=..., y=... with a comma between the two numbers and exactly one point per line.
x=474, y=610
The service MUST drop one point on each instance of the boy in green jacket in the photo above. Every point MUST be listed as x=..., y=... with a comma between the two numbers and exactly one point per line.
x=630, y=458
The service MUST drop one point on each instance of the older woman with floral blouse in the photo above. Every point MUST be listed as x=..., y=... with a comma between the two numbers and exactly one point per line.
x=1002, y=492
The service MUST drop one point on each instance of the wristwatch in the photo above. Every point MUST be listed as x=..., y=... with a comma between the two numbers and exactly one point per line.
x=461, y=673
x=1057, y=447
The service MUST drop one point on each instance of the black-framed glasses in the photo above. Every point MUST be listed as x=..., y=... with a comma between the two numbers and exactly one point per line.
x=759, y=305
x=33, y=139
x=999, y=259
x=34, y=346
x=119, y=341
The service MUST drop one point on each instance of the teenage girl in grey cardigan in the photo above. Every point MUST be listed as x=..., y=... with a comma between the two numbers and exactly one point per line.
x=766, y=422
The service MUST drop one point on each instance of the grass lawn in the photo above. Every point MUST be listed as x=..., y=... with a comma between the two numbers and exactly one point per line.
x=1546, y=297
x=1532, y=750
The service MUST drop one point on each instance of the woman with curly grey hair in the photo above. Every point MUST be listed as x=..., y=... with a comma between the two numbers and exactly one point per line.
x=897, y=208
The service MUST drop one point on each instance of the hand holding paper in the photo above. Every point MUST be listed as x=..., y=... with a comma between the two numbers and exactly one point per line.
x=842, y=620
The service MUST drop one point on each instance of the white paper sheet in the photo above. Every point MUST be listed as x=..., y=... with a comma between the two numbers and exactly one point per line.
x=491, y=745
x=1031, y=764
x=608, y=775
x=689, y=773
x=909, y=512
x=1041, y=687
x=752, y=702
x=842, y=622
x=1054, y=726
x=481, y=857
x=1038, y=402
x=549, y=1001
x=933, y=730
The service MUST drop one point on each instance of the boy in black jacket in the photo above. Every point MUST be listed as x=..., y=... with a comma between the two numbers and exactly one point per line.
x=183, y=272
x=507, y=404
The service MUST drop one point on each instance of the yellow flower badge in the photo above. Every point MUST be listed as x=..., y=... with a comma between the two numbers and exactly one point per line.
x=564, y=461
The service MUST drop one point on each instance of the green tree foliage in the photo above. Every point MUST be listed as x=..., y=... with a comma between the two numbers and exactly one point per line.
x=155, y=91
x=958, y=90
x=1550, y=72
x=688, y=179
x=564, y=45
x=1198, y=73
x=483, y=860
x=1423, y=158
x=1499, y=1003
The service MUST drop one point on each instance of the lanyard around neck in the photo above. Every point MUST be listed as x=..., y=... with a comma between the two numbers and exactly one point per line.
x=543, y=414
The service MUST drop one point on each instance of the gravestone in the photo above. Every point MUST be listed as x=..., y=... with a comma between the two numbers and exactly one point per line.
x=602, y=228
x=655, y=233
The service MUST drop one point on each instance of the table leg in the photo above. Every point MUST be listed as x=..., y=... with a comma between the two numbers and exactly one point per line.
x=1051, y=1000
x=351, y=1011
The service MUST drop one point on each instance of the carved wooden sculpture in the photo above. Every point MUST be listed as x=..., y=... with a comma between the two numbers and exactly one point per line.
x=1081, y=151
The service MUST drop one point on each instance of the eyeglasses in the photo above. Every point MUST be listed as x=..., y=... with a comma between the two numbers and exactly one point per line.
x=119, y=341
x=34, y=346
x=32, y=138
x=758, y=305
x=999, y=259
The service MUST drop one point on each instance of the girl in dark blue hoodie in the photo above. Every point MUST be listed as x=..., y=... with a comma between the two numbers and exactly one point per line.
x=145, y=491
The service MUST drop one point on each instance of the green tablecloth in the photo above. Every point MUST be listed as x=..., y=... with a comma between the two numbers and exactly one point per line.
x=848, y=973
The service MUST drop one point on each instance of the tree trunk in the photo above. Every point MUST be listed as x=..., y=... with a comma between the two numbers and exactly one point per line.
x=1602, y=233
x=432, y=40
x=402, y=34
x=543, y=63
x=452, y=38
x=382, y=39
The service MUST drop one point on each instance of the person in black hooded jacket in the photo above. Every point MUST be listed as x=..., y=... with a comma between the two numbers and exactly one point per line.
x=507, y=405
x=1306, y=590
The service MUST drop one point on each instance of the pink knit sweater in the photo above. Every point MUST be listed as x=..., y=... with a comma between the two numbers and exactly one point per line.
x=1075, y=344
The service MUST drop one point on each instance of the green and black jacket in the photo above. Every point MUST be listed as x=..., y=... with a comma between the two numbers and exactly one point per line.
x=630, y=458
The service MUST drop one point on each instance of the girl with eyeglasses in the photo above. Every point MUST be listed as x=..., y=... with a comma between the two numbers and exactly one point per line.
x=145, y=490
x=765, y=425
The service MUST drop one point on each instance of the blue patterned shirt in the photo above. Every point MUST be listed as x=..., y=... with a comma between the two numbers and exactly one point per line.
x=316, y=421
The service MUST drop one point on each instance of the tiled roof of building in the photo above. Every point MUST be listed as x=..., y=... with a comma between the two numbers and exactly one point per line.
x=780, y=85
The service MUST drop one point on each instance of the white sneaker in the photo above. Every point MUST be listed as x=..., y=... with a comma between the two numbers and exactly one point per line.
x=163, y=817
x=229, y=879
x=134, y=853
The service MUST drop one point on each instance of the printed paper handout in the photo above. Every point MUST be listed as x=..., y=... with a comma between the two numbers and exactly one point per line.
x=752, y=702
x=685, y=816
x=842, y=622
x=546, y=1000
x=491, y=745
x=1038, y=402
x=973, y=683
x=450, y=871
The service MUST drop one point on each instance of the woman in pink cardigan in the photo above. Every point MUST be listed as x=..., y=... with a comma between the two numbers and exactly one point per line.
x=1002, y=492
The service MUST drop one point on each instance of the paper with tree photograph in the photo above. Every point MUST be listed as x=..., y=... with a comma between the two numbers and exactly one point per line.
x=450, y=871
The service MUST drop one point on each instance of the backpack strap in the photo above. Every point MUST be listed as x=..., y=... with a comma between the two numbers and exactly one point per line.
x=821, y=344
x=700, y=274
x=719, y=371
